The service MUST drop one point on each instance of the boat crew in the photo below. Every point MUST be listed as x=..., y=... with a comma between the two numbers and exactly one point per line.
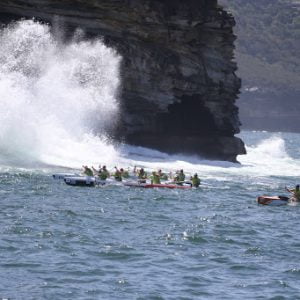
x=142, y=175
x=95, y=171
x=295, y=192
x=87, y=171
x=195, y=180
x=155, y=179
x=104, y=172
x=162, y=175
x=180, y=177
x=124, y=173
x=118, y=174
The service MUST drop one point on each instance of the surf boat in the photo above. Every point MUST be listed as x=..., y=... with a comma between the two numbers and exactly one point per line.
x=83, y=181
x=150, y=186
x=272, y=200
x=64, y=175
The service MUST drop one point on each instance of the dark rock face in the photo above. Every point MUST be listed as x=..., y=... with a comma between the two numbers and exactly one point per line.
x=179, y=83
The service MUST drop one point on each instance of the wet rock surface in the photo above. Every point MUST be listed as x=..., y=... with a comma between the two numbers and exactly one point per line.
x=178, y=75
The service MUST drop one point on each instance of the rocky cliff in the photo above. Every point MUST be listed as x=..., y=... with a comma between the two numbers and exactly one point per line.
x=179, y=84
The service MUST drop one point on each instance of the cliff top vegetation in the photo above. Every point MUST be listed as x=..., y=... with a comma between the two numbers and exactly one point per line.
x=268, y=41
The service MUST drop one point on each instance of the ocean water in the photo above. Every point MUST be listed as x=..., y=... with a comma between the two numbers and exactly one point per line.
x=116, y=242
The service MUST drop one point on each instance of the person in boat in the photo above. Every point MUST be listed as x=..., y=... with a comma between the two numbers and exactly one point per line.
x=180, y=177
x=295, y=192
x=87, y=171
x=175, y=177
x=95, y=171
x=162, y=175
x=195, y=180
x=118, y=174
x=155, y=179
x=142, y=175
x=105, y=172
x=124, y=173
x=102, y=173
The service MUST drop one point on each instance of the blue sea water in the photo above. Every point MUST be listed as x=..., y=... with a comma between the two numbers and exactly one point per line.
x=115, y=242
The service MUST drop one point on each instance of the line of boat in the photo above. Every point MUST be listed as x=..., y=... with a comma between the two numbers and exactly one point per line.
x=91, y=181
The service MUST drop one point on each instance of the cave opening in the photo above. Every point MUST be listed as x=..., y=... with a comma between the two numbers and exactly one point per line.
x=188, y=117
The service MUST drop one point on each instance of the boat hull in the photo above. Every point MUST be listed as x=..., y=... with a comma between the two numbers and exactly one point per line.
x=59, y=176
x=149, y=186
x=272, y=200
x=80, y=181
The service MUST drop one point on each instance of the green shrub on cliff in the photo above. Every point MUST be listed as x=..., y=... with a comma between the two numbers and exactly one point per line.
x=268, y=41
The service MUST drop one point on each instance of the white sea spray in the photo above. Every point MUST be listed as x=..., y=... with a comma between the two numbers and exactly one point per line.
x=56, y=98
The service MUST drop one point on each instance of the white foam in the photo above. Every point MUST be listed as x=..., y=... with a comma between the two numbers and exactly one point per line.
x=56, y=99
x=266, y=156
x=270, y=157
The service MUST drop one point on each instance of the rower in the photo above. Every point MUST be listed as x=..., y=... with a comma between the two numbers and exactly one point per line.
x=87, y=171
x=102, y=173
x=195, y=180
x=95, y=171
x=295, y=192
x=162, y=175
x=124, y=173
x=142, y=175
x=118, y=175
x=179, y=178
x=155, y=179
x=105, y=172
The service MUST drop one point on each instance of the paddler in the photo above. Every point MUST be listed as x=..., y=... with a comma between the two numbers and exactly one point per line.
x=97, y=172
x=124, y=173
x=118, y=175
x=180, y=177
x=103, y=173
x=142, y=175
x=295, y=192
x=155, y=179
x=195, y=180
x=87, y=171
x=162, y=175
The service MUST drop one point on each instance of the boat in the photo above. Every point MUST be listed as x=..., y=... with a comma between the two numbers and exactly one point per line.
x=59, y=176
x=83, y=181
x=163, y=185
x=80, y=181
x=273, y=200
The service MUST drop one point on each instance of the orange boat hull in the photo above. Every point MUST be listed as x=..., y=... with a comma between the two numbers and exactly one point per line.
x=272, y=200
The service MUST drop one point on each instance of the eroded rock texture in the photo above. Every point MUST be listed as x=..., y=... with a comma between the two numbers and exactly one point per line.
x=179, y=84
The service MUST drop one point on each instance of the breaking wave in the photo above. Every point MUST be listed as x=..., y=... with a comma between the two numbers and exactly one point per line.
x=57, y=99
